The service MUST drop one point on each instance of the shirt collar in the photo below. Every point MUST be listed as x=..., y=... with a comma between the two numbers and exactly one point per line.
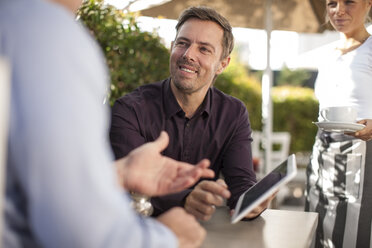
x=172, y=107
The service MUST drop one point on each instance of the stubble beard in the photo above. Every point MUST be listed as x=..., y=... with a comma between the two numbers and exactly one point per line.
x=184, y=85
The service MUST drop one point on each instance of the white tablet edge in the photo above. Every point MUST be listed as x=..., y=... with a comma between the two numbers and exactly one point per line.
x=291, y=173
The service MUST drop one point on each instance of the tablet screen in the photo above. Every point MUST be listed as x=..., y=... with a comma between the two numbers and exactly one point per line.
x=264, y=188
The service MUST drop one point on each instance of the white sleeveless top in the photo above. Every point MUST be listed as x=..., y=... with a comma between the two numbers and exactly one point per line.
x=346, y=80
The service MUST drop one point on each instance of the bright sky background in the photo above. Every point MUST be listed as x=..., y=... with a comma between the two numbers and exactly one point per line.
x=287, y=48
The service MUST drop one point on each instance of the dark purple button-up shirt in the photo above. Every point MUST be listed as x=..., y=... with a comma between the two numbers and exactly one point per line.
x=219, y=130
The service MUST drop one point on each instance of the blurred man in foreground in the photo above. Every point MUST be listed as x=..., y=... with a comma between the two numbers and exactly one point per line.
x=61, y=189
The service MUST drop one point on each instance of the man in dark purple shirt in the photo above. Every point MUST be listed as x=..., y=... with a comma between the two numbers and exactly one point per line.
x=202, y=122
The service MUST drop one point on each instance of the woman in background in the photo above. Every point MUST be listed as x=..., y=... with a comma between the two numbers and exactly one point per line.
x=339, y=176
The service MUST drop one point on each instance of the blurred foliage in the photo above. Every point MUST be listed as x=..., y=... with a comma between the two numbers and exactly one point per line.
x=134, y=57
x=235, y=81
x=296, y=77
x=294, y=108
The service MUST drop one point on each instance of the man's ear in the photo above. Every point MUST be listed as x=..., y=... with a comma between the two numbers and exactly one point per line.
x=223, y=64
x=171, y=47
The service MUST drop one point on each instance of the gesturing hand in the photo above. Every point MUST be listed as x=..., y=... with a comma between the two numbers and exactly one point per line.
x=145, y=170
x=202, y=201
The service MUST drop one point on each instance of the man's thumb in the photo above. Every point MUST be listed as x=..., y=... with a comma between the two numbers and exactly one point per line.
x=162, y=141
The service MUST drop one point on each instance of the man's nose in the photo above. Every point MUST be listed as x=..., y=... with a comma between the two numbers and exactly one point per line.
x=190, y=53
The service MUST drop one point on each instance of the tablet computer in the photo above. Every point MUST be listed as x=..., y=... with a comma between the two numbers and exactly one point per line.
x=264, y=188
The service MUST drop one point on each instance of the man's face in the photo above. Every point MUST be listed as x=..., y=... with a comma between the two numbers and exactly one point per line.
x=196, y=55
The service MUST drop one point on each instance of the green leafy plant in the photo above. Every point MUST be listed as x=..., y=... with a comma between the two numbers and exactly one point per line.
x=295, y=77
x=134, y=57
x=236, y=82
x=294, y=108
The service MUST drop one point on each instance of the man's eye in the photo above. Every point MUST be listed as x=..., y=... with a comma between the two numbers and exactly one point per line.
x=180, y=43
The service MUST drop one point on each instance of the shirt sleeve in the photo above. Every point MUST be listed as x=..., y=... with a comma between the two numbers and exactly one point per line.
x=237, y=160
x=164, y=203
x=59, y=151
x=125, y=133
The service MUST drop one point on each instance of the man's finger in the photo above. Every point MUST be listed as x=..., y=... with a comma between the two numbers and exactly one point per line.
x=181, y=184
x=201, y=206
x=200, y=196
x=215, y=188
x=203, y=164
x=195, y=172
x=199, y=209
x=162, y=141
x=222, y=182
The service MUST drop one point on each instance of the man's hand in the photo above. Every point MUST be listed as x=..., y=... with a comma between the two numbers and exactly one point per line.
x=202, y=201
x=148, y=172
x=258, y=210
x=188, y=231
x=366, y=133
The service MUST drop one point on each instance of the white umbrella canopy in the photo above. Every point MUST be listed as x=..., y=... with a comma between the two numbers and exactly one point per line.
x=304, y=16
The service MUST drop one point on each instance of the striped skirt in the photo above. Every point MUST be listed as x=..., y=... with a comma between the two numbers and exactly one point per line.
x=339, y=188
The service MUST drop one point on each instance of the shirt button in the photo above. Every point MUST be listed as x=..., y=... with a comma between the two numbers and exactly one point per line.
x=188, y=124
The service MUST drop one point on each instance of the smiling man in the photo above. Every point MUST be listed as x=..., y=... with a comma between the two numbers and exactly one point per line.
x=202, y=121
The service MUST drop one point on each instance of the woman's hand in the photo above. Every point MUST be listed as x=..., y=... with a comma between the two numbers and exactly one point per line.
x=366, y=133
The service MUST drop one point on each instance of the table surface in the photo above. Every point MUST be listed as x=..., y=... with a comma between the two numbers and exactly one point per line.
x=274, y=228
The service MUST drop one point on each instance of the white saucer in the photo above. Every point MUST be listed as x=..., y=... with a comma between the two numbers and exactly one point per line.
x=339, y=127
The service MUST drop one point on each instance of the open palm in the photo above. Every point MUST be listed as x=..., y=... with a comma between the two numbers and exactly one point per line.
x=145, y=170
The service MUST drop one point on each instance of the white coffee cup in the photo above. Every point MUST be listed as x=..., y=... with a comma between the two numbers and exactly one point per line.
x=339, y=114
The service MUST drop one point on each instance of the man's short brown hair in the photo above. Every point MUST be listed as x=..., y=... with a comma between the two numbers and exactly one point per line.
x=209, y=14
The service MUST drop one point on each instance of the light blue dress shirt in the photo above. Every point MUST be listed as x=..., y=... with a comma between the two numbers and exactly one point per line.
x=61, y=190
